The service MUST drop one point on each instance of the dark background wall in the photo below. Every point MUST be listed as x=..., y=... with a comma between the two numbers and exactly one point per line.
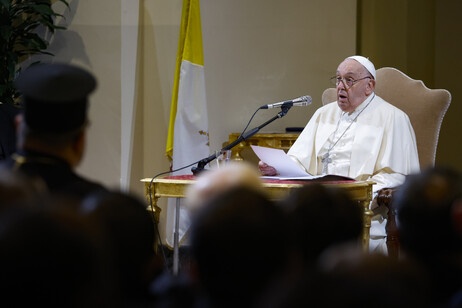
x=422, y=38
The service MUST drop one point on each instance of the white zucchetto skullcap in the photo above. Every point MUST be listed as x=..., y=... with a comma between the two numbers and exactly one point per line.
x=366, y=63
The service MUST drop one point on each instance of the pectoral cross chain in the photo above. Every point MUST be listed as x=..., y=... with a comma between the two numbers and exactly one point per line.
x=326, y=160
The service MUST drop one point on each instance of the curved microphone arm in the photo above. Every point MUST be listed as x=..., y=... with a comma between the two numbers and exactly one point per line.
x=202, y=163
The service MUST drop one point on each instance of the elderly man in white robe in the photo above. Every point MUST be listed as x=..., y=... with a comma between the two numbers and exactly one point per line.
x=361, y=136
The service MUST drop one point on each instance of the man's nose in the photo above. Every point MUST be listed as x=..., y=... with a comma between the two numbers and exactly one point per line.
x=341, y=85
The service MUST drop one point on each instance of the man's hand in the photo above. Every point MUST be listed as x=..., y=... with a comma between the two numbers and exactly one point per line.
x=266, y=170
x=385, y=196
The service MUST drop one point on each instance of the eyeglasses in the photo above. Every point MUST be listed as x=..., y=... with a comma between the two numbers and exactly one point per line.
x=347, y=82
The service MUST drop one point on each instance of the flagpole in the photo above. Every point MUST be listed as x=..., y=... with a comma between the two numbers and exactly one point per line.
x=176, y=239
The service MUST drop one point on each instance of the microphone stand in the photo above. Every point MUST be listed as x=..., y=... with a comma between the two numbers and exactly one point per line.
x=201, y=164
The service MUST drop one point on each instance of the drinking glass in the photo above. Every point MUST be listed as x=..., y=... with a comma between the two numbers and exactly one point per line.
x=223, y=157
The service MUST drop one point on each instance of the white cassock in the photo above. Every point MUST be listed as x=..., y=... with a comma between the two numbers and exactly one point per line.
x=375, y=142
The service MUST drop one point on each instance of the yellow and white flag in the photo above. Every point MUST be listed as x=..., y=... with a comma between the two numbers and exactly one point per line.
x=188, y=138
x=188, y=129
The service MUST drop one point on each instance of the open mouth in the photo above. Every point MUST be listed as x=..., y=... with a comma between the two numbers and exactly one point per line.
x=342, y=96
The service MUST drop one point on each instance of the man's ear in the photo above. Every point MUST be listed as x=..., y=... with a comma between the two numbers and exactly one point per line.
x=370, y=86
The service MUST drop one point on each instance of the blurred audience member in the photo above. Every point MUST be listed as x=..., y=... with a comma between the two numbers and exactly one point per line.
x=238, y=244
x=52, y=127
x=216, y=181
x=320, y=217
x=349, y=277
x=428, y=208
x=48, y=258
x=129, y=233
x=346, y=276
x=181, y=291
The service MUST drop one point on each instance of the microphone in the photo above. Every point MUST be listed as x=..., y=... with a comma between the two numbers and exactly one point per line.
x=304, y=100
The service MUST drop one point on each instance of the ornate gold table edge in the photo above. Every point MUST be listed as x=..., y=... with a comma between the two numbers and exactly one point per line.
x=273, y=140
x=360, y=191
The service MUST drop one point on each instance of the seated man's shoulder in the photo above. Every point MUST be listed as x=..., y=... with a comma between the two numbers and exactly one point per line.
x=329, y=105
x=328, y=108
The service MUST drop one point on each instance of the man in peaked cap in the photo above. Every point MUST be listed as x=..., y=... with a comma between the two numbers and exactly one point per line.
x=360, y=136
x=52, y=127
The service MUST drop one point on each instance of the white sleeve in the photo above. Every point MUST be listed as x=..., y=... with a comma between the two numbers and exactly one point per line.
x=386, y=180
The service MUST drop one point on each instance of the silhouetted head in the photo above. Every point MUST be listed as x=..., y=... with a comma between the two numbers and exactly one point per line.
x=238, y=243
x=47, y=257
x=129, y=232
x=424, y=205
x=319, y=217
x=216, y=181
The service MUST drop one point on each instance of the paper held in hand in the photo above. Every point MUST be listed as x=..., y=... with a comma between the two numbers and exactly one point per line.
x=286, y=167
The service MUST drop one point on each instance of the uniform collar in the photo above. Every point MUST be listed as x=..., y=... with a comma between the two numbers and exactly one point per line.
x=40, y=157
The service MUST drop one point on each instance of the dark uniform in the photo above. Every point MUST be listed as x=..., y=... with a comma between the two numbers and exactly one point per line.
x=55, y=102
x=56, y=173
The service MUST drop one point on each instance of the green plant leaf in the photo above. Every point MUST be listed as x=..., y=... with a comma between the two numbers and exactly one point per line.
x=19, y=20
x=43, y=9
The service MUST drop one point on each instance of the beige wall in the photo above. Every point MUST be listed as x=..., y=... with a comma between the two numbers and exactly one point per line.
x=268, y=52
x=92, y=40
x=421, y=38
x=448, y=65
x=256, y=52
x=400, y=34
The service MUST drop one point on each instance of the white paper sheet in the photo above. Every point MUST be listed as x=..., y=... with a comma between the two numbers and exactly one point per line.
x=286, y=167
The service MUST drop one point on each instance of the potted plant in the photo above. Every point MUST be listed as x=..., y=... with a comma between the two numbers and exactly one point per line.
x=19, y=22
